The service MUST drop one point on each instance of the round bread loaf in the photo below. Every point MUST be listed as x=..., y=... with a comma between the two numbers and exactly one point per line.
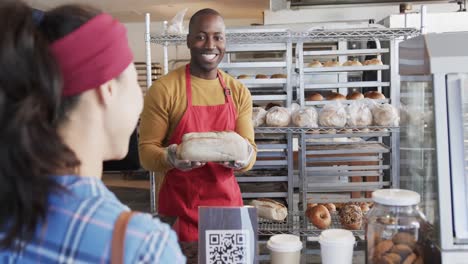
x=261, y=76
x=335, y=96
x=258, y=116
x=332, y=63
x=306, y=117
x=374, y=95
x=279, y=76
x=243, y=76
x=314, y=97
x=385, y=115
x=315, y=64
x=355, y=96
x=373, y=61
x=278, y=117
x=359, y=115
x=213, y=147
x=352, y=63
x=333, y=116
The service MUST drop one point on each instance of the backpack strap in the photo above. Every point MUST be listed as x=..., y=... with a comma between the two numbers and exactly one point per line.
x=118, y=237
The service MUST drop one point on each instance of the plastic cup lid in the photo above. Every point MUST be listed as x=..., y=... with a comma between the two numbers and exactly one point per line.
x=336, y=236
x=396, y=197
x=284, y=243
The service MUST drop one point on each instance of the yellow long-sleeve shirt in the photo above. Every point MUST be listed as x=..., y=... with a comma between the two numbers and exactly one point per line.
x=166, y=102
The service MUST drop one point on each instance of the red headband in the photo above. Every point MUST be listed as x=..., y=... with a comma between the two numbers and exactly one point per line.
x=93, y=54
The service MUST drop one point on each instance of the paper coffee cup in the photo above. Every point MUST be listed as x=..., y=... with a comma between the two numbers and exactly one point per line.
x=285, y=249
x=336, y=246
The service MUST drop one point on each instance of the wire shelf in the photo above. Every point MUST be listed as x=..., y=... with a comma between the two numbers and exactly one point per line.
x=288, y=36
x=357, y=34
x=340, y=131
x=298, y=224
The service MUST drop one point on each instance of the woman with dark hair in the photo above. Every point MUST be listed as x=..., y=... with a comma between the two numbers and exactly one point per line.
x=69, y=99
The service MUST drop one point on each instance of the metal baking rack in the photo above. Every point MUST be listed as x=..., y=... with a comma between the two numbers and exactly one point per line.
x=298, y=224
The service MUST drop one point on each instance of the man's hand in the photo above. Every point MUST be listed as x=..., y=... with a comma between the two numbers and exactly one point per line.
x=183, y=165
x=240, y=164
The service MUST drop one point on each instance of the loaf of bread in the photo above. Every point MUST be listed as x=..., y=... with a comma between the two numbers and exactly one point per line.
x=314, y=97
x=352, y=63
x=333, y=115
x=373, y=61
x=359, y=115
x=270, y=209
x=243, y=76
x=332, y=63
x=213, y=147
x=278, y=117
x=258, y=116
x=374, y=95
x=385, y=115
x=261, y=76
x=279, y=76
x=315, y=64
x=351, y=217
x=335, y=96
x=355, y=96
x=305, y=117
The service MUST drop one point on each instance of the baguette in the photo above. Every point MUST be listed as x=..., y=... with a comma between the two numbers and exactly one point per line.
x=213, y=147
x=270, y=209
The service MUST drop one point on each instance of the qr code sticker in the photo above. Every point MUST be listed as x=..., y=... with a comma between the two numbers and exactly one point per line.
x=227, y=246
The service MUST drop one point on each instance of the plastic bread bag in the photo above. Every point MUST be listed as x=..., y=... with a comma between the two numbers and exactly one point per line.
x=333, y=115
x=385, y=115
x=294, y=107
x=359, y=114
x=176, y=26
x=258, y=116
x=278, y=117
x=305, y=117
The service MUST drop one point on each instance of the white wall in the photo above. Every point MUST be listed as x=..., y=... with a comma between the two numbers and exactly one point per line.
x=345, y=13
x=136, y=35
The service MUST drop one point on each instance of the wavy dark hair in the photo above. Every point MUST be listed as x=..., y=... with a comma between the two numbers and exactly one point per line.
x=31, y=108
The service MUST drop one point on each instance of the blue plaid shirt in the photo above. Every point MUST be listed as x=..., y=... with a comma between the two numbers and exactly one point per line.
x=79, y=230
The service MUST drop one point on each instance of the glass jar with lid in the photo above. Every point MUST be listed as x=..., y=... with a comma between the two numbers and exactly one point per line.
x=394, y=228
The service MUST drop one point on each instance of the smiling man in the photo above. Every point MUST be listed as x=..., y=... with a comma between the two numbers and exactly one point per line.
x=197, y=97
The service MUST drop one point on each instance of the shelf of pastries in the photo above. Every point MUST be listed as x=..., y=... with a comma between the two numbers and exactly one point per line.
x=349, y=66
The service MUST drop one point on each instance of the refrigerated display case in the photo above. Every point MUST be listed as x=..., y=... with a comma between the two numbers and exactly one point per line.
x=434, y=136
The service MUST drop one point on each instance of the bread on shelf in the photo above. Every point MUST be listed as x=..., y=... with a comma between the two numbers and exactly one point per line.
x=355, y=96
x=352, y=63
x=314, y=97
x=335, y=96
x=374, y=95
x=243, y=76
x=261, y=76
x=332, y=63
x=270, y=209
x=279, y=76
x=315, y=64
x=373, y=61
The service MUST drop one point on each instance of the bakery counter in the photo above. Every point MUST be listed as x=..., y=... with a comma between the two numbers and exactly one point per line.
x=310, y=254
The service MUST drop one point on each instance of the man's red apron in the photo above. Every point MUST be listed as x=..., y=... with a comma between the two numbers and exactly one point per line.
x=210, y=185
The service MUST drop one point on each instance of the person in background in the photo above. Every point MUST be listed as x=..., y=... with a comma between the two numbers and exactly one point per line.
x=197, y=97
x=69, y=99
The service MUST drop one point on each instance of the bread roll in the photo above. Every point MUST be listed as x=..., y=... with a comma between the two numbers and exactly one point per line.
x=278, y=117
x=261, y=76
x=243, y=76
x=355, y=96
x=314, y=97
x=306, y=117
x=374, y=61
x=213, y=146
x=270, y=209
x=385, y=115
x=315, y=64
x=352, y=63
x=374, y=95
x=333, y=115
x=258, y=116
x=279, y=76
x=319, y=216
x=335, y=96
x=332, y=63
